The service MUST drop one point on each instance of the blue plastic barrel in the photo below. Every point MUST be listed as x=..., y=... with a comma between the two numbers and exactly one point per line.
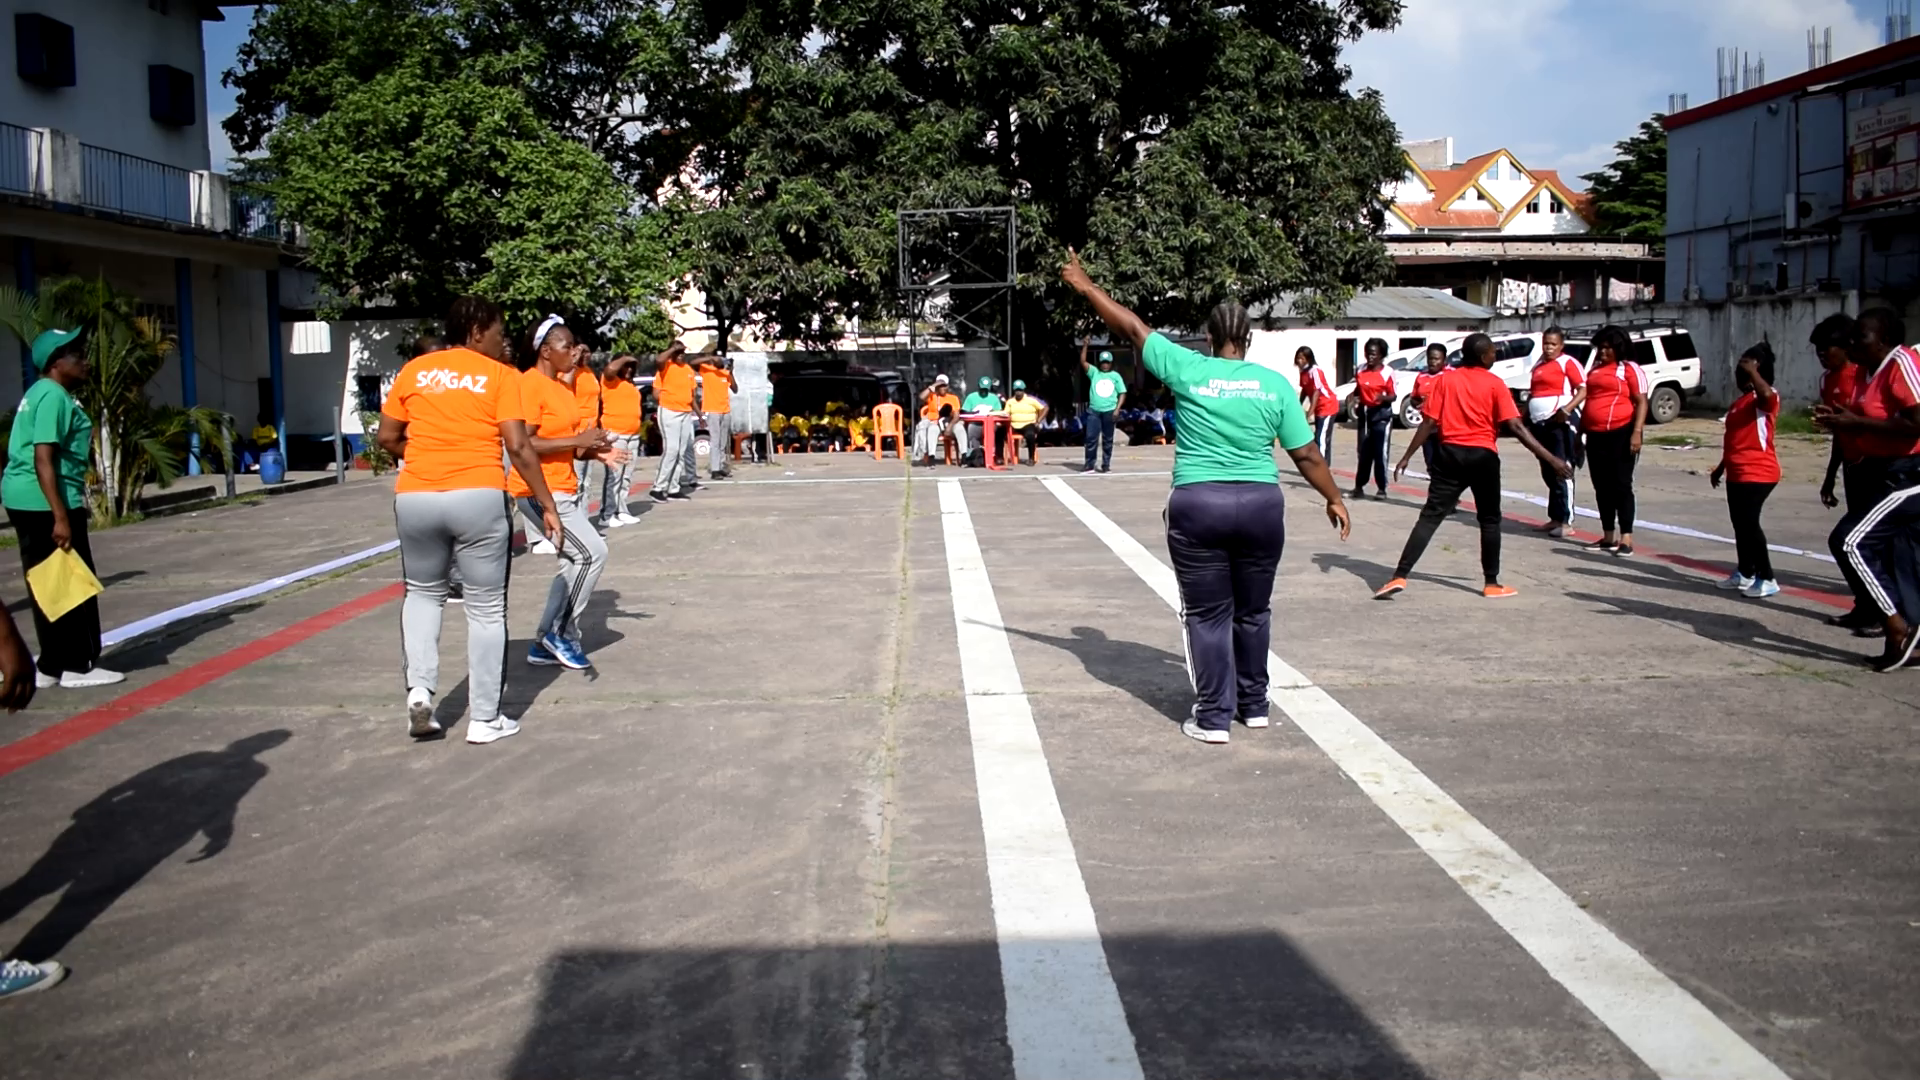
x=273, y=467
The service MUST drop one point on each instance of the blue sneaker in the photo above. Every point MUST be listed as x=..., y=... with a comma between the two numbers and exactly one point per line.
x=538, y=656
x=18, y=977
x=566, y=651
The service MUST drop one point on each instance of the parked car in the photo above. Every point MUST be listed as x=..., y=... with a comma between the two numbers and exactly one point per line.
x=1665, y=351
x=1406, y=365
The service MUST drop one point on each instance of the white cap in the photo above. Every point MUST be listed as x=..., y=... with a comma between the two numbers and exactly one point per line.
x=940, y=379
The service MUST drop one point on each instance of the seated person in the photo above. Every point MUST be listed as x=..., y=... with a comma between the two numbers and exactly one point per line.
x=1024, y=413
x=938, y=407
x=819, y=434
x=859, y=432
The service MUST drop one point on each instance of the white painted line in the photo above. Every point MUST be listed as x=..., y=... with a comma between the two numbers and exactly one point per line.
x=1677, y=1037
x=1064, y=1017
x=151, y=623
x=979, y=475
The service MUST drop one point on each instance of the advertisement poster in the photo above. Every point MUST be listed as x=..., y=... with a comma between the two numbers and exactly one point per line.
x=1883, y=152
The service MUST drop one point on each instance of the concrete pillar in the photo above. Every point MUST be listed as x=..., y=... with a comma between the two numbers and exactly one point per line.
x=189, y=388
x=28, y=282
x=276, y=366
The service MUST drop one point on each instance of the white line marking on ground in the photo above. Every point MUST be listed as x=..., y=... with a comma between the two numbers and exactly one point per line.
x=982, y=475
x=1658, y=1020
x=1064, y=1017
x=148, y=625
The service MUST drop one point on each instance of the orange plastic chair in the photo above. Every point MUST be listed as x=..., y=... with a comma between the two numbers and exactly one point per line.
x=887, y=421
x=1015, y=443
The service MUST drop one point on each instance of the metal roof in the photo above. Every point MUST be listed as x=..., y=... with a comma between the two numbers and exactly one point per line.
x=1387, y=304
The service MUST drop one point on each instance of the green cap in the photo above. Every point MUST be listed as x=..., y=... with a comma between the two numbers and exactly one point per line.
x=1019, y=384
x=48, y=343
x=1106, y=357
x=986, y=382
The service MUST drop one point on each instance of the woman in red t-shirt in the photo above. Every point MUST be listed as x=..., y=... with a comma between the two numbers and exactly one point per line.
x=1751, y=465
x=1832, y=341
x=1374, y=389
x=1614, y=417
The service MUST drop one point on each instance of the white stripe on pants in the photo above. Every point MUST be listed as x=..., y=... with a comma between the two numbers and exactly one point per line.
x=676, y=451
x=583, y=555
x=1857, y=543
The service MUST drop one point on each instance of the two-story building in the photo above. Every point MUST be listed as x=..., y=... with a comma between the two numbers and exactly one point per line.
x=106, y=170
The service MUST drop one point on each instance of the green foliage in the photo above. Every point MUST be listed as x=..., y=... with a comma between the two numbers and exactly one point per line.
x=135, y=442
x=371, y=452
x=1630, y=195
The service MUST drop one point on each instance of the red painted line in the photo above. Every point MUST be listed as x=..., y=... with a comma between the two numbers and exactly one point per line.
x=1842, y=601
x=85, y=725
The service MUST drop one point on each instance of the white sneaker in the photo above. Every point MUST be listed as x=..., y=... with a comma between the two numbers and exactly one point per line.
x=542, y=546
x=1760, y=590
x=1255, y=721
x=480, y=734
x=45, y=682
x=420, y=720
x=76, y=680
x=627, y=519
x=1735, y=580
x=1192, y=730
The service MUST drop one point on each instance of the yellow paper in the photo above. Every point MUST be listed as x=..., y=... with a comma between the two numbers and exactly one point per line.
x=61, y=583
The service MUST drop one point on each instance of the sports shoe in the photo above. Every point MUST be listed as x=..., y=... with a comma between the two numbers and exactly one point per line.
x=78, y=680
x=1760, y=589
x=1255, y=721
x=538, y=656
x=1192, y=730
x=723, y=474
x=1898, y=652
x=420, y=721
x=1624, y=551
x=627, y=519
x=1106, y=468
x=689, y=484
x=18, y=977
x=44, y=681
x=482, y=732
x=1391, y=589
x=1557, y=532
x=541, y=546
x=1603, y=544
x=681, y=494
x=657, y=496
x=1499, y=592
x=1735, y=580
x=566, y=651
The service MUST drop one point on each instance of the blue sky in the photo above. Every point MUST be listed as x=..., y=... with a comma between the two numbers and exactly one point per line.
x=1558, y=82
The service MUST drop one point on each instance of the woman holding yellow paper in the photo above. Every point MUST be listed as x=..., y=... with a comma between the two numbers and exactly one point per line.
x=44, y=488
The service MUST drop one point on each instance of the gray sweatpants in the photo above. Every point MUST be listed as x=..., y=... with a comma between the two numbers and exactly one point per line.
x=720, y=441
x=583, y=555
x=926, y=439
x=439, y=530
x=676, y=451
x=617, y=482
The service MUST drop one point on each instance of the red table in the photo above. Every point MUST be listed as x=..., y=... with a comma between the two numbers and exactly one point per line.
x=987, y=422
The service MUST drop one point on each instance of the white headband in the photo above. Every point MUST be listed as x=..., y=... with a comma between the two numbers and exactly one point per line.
x=546, y=327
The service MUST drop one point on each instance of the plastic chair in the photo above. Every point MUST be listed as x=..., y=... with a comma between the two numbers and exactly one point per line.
x=1015, y=443
x=887, y=421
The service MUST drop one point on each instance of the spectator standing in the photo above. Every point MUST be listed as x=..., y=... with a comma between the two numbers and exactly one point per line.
x=1613, y=419
x=1374, y=387
x=1557, y=388
x=44, y=488
x=1750, y=463
x=717, y=387
x=1106, y=396
x=621, y=419
x=1317, y=400
x=673, y=383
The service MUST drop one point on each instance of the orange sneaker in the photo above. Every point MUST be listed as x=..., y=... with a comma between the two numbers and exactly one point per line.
x=1390, y=589
x=1495, y=592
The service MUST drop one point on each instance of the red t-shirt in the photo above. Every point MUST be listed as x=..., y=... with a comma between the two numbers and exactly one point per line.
x=1423, y=383
x=1747, y=446
x=1556, y=378
x=1837, y=390
x=1375, y=386
x=1893, y=388
x=1609, y=400
x=1468, y=405
x=1324, y=403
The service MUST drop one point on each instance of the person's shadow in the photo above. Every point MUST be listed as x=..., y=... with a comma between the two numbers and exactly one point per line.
x=130, y=829
x=524, y=683
x=1156, y=677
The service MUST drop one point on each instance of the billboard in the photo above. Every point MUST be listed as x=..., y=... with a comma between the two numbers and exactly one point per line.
x=1883, y=152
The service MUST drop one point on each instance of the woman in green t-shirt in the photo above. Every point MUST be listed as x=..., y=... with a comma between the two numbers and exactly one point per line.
x=1226, y=517
x=45, y=491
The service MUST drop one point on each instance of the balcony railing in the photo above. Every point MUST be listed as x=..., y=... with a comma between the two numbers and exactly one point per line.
x=134, y=185
x=19, y=159
x=253, y=215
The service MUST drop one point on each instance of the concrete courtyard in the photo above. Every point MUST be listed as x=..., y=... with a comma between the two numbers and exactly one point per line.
x=878, y=775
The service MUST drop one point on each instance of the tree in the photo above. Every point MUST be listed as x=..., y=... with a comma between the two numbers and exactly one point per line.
x=1630, y=195
x=135, y=441
x=421, y=148
x=1192, y=151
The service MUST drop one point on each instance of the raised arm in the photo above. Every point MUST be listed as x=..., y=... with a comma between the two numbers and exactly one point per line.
x=1118, y=318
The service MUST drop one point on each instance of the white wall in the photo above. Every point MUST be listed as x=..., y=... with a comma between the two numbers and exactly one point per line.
x=360, y=347
x=113, y=42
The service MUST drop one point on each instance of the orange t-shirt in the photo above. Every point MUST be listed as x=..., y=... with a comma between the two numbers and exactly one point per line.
x=552, y=413
x=453, y=403
x=931, y=410
x=673, y=387
x=586, y=392
x=620, y=406
x=715, y=394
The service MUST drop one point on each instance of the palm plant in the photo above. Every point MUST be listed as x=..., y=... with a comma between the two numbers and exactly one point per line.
x=135, y=441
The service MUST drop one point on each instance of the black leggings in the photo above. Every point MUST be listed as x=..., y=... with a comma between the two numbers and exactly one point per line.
x=71, y=642
x=1457, y=469
x=1610, y=461
x=1743, y=506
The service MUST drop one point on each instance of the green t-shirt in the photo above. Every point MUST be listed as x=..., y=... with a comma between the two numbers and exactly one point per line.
x=1230, y=413
x=48, y=414
x=978, y=402
x=1104, y=389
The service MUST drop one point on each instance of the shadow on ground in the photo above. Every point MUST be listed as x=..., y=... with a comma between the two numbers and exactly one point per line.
x=1373, y=574
x=1721, y=627
x=526, y=682
x=133, y=827
x=1156, y=677
x=936, y=1011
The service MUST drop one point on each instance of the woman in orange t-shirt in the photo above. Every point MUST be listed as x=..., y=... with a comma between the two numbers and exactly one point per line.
x=560, y=438
x=586, y=393
x=620, y=416
x=448, y=416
